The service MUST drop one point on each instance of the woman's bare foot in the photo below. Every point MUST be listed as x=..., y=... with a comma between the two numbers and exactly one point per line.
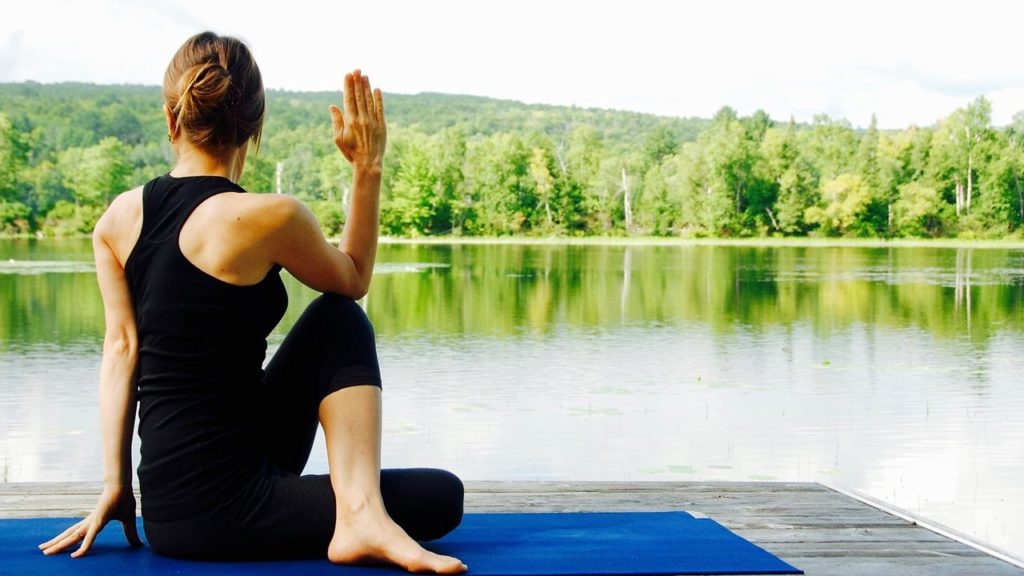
x=366, y=534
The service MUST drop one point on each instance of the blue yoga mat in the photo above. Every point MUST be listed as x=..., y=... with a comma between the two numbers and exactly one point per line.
x=574, y=544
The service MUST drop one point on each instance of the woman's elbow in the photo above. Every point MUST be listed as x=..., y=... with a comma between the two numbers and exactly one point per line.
x=356, y=289
x=122, y=345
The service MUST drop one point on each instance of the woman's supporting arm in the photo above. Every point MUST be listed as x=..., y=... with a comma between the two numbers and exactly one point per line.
x=117, y=401
x=117, y=370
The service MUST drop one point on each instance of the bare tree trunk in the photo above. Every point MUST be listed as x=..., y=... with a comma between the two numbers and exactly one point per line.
x=277, y=175
x=771, y=216
x=560, y=156
x=970, y=182
x=627, y=204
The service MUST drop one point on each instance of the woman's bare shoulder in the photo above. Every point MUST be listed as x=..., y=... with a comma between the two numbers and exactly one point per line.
x=125, y=208
x=121, y=223
x=265, y=213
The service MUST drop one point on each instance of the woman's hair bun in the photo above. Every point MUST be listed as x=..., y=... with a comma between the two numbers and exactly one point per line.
x=214, y=90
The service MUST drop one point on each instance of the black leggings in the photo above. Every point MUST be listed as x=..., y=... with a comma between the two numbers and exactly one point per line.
x=283, y=514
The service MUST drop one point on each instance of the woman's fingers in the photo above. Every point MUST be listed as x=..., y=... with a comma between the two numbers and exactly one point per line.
x=379, y=105
x=350, y=95
x=67, y=539
x=382, y=126
x=111, y=505
x=360, y=96
x=90, y=535
x=51, y=541
x=337, y=118
x=59, y=538
x=360, y=132
x=371, y=108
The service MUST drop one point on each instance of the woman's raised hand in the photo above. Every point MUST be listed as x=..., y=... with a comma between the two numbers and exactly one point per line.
x=360, y=132
x=113, y=505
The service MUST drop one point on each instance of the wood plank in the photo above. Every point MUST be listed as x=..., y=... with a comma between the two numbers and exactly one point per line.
x=902, y=567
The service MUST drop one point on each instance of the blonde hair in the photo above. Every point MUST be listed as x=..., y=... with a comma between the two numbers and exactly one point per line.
x=215, y=92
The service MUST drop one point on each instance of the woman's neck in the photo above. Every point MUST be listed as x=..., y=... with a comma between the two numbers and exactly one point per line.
x=195, y=162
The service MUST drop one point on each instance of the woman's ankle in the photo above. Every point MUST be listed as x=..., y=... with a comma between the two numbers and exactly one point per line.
x=353, y=503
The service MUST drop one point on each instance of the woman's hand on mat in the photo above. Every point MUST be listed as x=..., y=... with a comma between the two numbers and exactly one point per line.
x=360, y=131
x=113, y=505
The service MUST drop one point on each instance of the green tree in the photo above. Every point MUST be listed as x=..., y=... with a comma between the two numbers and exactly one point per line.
x=95, y=174
x=543, y=186
x=660, y=144
x=997, y=210
x=660, y=207
x=260, y=172
x=957, y=152
x=723, y=172
x=67, y=219
x=13, y=157
x=448, y=202
x=797, y=193
x=829, y=145
x=14, y=217
x=498, y=186
x=735, y=195
x=846, y=199
x=406, y=209
x=45, y=186
x=877, y=219
x=792, y=177
x=918, y=210
x=757, y=125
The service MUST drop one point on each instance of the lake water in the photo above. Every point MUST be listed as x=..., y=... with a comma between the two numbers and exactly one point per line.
x=892, y=371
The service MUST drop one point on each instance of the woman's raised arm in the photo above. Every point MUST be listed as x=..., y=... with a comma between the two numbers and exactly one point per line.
x=360, y=132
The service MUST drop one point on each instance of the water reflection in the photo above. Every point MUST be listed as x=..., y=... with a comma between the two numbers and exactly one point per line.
x=890, y=370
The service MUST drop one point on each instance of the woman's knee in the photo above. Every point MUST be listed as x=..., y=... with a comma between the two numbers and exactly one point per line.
x=336, y=321
x=345, y=342
x=338, y=309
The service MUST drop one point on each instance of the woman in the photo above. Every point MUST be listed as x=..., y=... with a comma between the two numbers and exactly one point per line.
x=188, y=268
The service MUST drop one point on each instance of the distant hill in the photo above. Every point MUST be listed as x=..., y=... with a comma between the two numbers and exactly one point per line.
x=83, y=115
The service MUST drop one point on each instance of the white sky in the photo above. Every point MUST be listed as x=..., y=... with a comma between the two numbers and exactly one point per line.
x=906, y=61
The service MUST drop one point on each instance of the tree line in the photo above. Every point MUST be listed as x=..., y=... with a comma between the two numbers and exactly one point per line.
x=472, y=166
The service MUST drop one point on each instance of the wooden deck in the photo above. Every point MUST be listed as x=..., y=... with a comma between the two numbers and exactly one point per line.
x=812, y=527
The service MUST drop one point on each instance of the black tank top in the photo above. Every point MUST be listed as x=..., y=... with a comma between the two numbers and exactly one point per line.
x=202, y=343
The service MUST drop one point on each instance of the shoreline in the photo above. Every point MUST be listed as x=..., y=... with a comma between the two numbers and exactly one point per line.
x=786, y=242
x=802, y=242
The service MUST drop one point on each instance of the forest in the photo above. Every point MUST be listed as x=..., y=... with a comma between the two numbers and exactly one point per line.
x=474, y=166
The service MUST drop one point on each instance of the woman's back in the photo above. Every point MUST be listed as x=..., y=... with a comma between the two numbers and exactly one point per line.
x=202, y=343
